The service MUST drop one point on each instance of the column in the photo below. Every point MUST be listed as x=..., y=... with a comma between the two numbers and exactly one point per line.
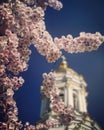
x=80, y=102
x=65, y=95
x=83, y=95
x=85, y=105
x=70, y=96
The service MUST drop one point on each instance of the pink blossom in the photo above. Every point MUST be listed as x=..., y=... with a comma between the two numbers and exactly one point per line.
x=2, y=70
x=57, y=105
x=51, y=122
x=85, y=42
x=55, y=4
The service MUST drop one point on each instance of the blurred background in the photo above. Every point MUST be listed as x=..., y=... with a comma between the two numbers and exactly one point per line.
x=76, y=16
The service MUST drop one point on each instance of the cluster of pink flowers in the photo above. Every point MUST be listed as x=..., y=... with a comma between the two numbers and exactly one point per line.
x=40, y=126
x=29, y=127
x=51, y=122
x=46, y=47
x=57, y=105
x=20, y=27
x=85, y=42
x=55, y=4
x=49, y=88
x=9, y=111
x=30, y=28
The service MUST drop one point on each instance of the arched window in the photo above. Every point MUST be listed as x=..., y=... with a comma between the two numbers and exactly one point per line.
x=75, y=100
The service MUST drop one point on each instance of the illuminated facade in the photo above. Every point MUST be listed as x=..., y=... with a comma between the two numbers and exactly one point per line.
x=72, y=89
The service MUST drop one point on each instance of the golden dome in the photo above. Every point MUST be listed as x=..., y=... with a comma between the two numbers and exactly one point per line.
x=63, y=64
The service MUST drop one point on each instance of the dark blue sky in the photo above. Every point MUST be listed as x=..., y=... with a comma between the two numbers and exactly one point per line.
x=76, y=16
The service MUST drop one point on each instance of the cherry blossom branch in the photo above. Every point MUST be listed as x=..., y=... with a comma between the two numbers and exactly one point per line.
x=22, y=24
x=64, y=114
x=57, y=105
x=8, y=108
x=85, y=42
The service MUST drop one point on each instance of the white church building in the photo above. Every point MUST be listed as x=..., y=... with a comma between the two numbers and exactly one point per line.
x=72, y=87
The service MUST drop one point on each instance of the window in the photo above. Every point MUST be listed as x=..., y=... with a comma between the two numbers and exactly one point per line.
x=75, y=100
x=62, y=96
x=45, y=105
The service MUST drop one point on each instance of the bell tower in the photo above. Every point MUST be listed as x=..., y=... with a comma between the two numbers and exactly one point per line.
x=72, y=90
x=72, y=87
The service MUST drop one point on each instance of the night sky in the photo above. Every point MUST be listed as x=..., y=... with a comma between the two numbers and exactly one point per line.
x=75, y=17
